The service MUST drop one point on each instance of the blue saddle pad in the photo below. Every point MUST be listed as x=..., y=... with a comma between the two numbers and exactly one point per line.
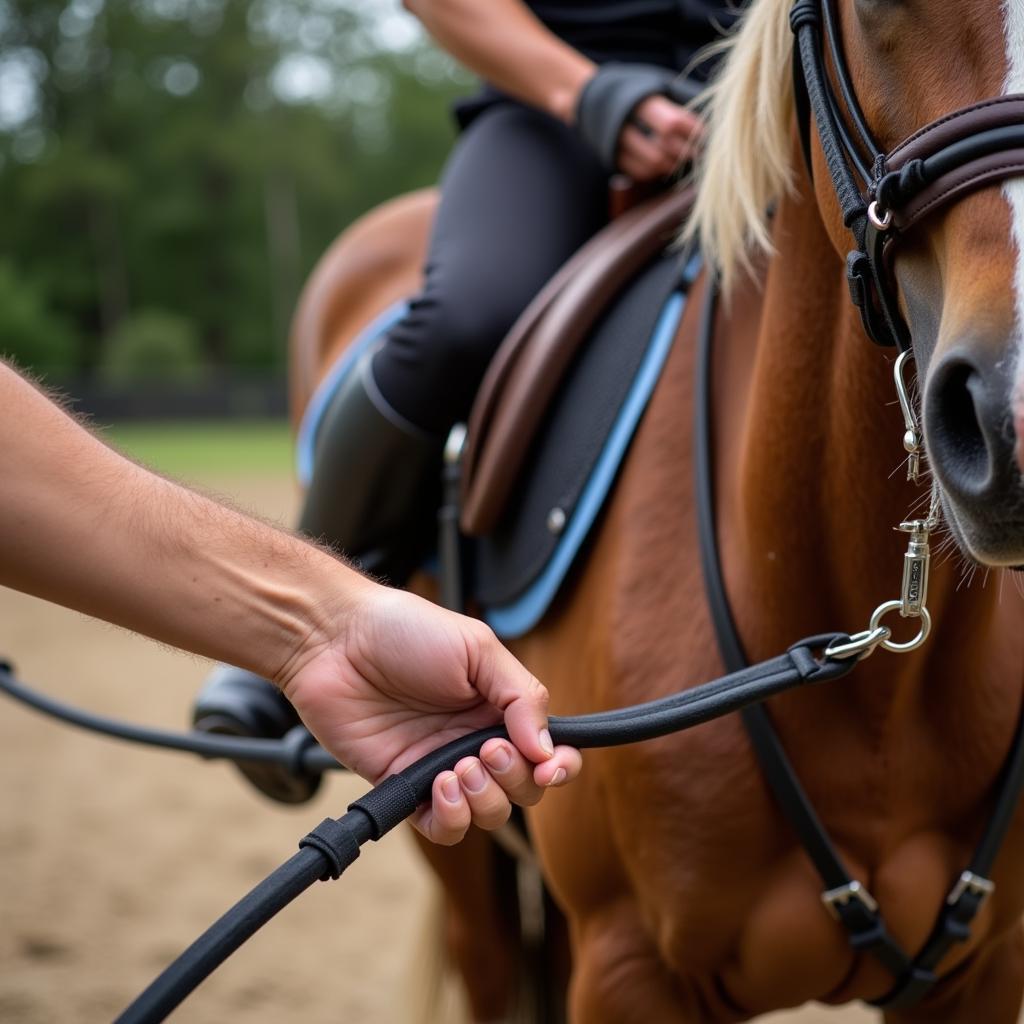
x=573, y=462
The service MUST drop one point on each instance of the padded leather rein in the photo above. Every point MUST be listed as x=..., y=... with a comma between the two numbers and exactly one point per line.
x=938, y=165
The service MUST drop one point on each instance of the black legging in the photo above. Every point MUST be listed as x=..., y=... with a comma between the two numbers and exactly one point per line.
x=519, y=195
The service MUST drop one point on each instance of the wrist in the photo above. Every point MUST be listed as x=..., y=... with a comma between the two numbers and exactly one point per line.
x=325, y=612
x=563, y=97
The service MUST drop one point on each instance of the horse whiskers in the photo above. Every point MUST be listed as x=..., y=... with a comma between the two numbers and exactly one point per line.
x=969, y=574
x=899, y=466
x=948, y=549
x=921, y=500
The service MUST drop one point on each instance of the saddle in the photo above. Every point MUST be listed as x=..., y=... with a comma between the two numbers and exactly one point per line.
x=557, y=408
x=560, y=404
x=525, y=374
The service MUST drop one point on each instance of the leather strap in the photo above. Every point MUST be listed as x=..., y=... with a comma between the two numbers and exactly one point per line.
x=805, y=20
x=972, y=888
x=997, y=112
x=854, y=911
x=951, y=187
x=851, y=904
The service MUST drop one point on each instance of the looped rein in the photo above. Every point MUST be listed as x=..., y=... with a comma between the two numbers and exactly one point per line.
x=935, y=167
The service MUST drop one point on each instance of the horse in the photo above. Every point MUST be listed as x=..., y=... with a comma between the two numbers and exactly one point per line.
x=686, y=893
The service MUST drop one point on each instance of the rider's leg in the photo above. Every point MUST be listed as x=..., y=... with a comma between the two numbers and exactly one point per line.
x=372, y=467
x=520, y=194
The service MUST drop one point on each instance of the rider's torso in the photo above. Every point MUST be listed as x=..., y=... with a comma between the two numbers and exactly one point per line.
x=668, y=33
x=665, y=32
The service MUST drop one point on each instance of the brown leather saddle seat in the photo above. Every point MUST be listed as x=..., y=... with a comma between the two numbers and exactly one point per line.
x=529, y=368
x=560, y=405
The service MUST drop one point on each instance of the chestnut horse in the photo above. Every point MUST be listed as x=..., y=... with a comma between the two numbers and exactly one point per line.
x=687, y=895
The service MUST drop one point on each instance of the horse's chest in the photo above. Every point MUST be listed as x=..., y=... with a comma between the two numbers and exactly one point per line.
x=745, y=901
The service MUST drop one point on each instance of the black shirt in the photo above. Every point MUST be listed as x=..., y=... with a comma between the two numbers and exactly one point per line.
x=665, y=32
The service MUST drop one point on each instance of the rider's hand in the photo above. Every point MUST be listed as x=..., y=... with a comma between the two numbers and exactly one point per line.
x=659, y=137
x=403, y=677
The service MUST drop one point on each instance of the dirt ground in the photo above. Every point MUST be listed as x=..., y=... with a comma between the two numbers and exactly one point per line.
x=113, y=858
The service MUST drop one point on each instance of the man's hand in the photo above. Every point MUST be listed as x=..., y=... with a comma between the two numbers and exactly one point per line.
x=404, y=677
x=659, y=137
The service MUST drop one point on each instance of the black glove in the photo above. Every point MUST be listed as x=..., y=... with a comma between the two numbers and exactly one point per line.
x=614, y=92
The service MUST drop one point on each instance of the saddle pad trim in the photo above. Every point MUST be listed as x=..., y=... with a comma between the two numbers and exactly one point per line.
x=520, y=616
x=305, y=440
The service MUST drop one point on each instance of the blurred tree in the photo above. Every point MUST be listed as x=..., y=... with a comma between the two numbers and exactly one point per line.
x=197, y=156
x=29, y=332
x=153, y=345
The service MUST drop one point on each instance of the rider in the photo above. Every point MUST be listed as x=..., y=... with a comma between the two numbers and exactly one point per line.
x=576, y=90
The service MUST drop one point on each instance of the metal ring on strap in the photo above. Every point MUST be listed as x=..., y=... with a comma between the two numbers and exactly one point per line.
x=909, y=645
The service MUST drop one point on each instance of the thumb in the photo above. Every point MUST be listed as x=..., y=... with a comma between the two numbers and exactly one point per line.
x=519, y=695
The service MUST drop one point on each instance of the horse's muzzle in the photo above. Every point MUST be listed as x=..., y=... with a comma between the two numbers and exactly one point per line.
x=971, y=434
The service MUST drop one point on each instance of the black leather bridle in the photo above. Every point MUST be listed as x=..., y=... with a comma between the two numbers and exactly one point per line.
x=948, y=158
x=885, y=195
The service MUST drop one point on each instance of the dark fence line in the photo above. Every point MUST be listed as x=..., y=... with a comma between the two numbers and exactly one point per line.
x=231, y=394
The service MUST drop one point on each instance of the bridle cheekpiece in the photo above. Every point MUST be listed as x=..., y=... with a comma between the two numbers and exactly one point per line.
x=936, y=166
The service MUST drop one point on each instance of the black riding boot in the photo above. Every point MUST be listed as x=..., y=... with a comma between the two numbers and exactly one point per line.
x=373, y=497
x=374, y=478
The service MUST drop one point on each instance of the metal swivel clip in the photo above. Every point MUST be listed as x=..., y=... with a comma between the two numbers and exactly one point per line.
x=913, y=442
x=912, y=603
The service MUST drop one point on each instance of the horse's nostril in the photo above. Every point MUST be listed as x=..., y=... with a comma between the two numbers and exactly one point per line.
x=960, y=428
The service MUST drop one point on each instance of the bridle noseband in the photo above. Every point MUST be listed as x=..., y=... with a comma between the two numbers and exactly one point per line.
x=939, y=164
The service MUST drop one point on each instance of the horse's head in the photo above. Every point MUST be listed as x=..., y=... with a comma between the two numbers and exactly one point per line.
x=957, y=267
x=955, y=270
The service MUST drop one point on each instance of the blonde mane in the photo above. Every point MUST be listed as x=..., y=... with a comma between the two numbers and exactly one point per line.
x=745, y=164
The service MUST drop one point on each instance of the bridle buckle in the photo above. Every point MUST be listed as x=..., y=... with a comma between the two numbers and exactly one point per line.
x=852, y=892
x=976, y=885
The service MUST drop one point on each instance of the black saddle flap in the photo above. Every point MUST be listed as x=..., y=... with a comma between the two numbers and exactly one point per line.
x=571, y=440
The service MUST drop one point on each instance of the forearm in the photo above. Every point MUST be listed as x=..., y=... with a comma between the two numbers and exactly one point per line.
x=503, y=42
x=84, y=527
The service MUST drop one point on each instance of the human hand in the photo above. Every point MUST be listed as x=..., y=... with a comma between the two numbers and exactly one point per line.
x=403, y=677
x=657, y=139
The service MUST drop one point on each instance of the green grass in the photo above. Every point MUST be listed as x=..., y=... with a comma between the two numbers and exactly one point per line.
x=205, y=449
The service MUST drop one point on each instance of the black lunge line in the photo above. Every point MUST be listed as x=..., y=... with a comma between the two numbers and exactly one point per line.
x=334, y=844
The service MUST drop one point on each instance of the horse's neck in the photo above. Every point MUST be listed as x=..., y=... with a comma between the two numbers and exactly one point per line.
x=809, y=479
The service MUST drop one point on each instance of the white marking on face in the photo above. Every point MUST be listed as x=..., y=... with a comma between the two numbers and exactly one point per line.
x=1014, y=188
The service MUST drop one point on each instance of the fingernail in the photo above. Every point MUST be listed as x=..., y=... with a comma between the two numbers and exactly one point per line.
x=558, y=778
x=451, y=789
x=474, y=779
x=545, y=742
x=499, y=759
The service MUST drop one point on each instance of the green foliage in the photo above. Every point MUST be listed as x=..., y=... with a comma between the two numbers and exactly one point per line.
x=154, y=345
x=29, y=332
x=197, y=156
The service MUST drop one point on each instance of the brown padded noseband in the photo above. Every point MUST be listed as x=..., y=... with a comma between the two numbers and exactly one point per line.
x=973, y=147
